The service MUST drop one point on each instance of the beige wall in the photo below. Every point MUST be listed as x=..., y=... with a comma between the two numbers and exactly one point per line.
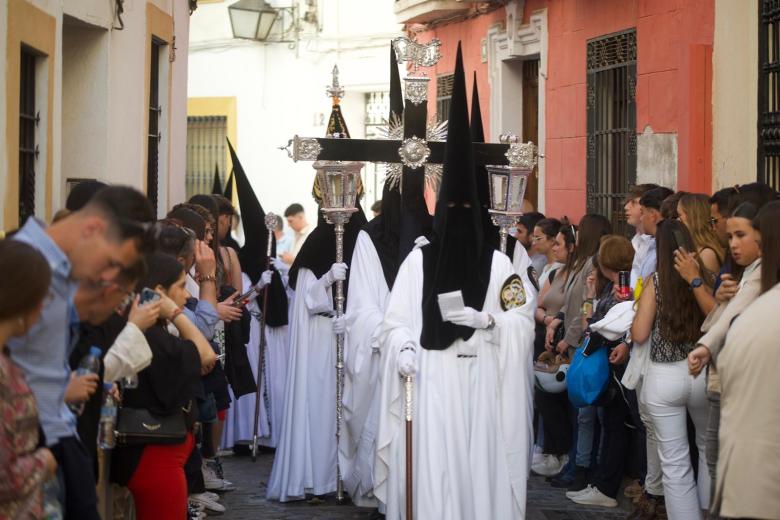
x=95, y=124
x=734, y=92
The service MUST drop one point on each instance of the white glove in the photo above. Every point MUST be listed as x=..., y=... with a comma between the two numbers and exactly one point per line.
x=280, y=266
x=337, y=272
x=420, y=241
x=339, y=324
x=407, y=361
x=469, y=317
x=265, y=280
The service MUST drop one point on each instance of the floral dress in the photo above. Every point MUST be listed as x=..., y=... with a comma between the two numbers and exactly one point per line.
x=22, y=464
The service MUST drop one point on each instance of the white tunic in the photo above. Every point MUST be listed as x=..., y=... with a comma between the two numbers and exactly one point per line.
x=239, y=424
x=305, y=459
x=366, y=303
x=472, y=415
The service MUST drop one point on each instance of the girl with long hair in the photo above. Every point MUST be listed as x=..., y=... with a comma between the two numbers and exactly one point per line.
x=154, y=473
x=670, y=317
x=736, y=292
x=694, y=211
x=25, y=466
x=543, y=240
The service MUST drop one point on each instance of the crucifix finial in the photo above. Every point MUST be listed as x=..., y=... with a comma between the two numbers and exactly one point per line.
x=418, y=54
x=335, y=90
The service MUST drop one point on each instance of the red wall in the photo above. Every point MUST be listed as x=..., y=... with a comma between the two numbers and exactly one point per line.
x=674, y=41
x=674, y=78
x=470, y=33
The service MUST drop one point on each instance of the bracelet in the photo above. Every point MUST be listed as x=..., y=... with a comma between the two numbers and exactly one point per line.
x=208, y=278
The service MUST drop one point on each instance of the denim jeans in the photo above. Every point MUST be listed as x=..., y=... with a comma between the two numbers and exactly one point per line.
x=586, y=419
x=669, y=391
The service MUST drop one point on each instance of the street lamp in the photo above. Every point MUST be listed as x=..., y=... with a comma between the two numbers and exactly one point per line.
x=508, y=184
x=252, y=19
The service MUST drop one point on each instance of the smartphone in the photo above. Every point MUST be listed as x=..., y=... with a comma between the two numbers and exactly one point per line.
x=148, y=296
x=679, y=239
x=243, y=299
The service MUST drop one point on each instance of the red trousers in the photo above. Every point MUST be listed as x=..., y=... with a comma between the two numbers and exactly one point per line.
x=159, y=486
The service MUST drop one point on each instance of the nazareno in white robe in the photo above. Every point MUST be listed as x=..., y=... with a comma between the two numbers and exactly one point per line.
x=472, y=416
x=366, y=303
x=305, y=460
x=239, y=424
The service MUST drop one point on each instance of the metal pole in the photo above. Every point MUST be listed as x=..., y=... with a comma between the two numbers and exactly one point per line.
x=408, y=388
x=502, y=233
x=339, y=300
x=270, y=224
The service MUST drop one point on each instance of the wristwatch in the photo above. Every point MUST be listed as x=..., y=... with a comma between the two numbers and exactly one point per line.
x=696, y=283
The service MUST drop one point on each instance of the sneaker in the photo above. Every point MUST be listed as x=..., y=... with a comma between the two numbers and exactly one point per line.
x=538, y=455
x=580, y=480
x=594, y=497
x=550, y=465
x=571, y=494
x=194, y=514
x=213, y=482
x=208, y=503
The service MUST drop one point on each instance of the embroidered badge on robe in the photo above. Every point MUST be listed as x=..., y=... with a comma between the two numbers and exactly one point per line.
x=512, y=293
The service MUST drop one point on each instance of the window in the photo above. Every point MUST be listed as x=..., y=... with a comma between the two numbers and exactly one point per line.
x=611, y=124
x=769, y=93
x=28, y=123
x=154, y=136
x=444, y=96
x=206, y=151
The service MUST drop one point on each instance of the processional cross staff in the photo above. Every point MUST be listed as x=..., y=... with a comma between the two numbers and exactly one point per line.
x=420, y=151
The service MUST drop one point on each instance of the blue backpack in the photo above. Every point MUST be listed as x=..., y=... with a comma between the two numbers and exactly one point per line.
x=588, y=375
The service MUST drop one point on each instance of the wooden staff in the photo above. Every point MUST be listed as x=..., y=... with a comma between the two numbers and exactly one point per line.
x=408, y=382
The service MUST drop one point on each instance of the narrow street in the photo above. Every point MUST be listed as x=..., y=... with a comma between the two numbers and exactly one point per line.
x=248, y=500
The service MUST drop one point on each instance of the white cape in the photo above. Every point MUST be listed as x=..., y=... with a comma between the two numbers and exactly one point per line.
x=472, y=416
x=239, y=424
x=305, y=459
x=366, y=303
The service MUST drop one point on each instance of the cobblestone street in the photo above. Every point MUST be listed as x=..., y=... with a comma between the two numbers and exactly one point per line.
x=248, y=501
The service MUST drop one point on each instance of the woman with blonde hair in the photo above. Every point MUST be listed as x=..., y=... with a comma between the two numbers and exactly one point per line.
x=694, y=211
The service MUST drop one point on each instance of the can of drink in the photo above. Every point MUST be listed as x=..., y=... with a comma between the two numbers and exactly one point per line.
x=624, y=284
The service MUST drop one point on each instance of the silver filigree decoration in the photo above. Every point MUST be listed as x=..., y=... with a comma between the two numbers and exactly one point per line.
x=418, y=54
x=335, y=90
x=519, y=155
x=416, y=89
x=305, y=149
x=414, y=152
x=435, y=131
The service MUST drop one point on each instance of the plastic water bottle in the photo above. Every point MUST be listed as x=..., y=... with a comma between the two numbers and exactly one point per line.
x=52, y=510
x=107, y=427
x=89, y=364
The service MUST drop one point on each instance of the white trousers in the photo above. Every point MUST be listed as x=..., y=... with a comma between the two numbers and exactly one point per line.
x=669, y=391
x=654, y=484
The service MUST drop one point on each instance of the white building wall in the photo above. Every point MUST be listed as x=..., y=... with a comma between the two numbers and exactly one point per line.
x=280, y=91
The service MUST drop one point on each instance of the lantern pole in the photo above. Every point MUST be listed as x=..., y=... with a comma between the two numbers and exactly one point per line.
x=337, y=209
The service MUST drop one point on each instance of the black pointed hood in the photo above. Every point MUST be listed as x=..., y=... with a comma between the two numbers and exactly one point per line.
x=490, y=230
x=216, y=188
x=456, y=259
x=229, y=187
x=252, y=256
x=396, y=96
x=384, y=230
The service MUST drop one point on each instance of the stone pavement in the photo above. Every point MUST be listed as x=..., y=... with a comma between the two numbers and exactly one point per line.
x=248, y=500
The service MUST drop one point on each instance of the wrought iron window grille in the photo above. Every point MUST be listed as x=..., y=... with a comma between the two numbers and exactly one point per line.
x=768, y=167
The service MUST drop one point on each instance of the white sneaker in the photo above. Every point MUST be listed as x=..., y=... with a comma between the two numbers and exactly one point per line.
x=208, y=503
x=213, y=482
x=571, y=495
x=594, y=497
x=550, y=465
x=538, y=455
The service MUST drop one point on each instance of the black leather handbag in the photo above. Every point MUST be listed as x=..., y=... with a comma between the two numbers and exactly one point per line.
x=136, y=426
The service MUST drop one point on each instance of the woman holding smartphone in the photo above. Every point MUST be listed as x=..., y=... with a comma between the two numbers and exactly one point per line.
x=154, y=473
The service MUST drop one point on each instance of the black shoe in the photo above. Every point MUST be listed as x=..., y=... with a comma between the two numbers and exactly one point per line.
x=580, y=480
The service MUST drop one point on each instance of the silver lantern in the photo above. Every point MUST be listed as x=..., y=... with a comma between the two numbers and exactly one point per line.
x=337, y=188
x=508, y=184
